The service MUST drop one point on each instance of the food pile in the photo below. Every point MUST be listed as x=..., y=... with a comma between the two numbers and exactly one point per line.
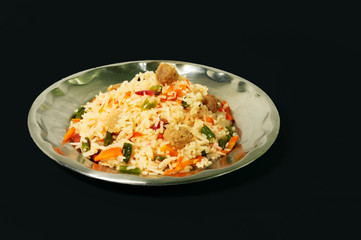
x=159, y=123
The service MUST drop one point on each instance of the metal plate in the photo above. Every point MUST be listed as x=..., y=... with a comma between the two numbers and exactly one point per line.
x=256, y=117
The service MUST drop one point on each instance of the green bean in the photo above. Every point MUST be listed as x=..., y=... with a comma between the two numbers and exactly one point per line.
x=223, y=141
x=124, y=169
x=127, y=151
x=208, y=132
x=85, y=145
x=79, y=113
x=108, y=138
x=146, y=105
x=157, y=88
x=185, y=104
x=159, y=157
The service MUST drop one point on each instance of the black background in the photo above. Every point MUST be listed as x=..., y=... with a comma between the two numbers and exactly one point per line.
x=306, y=57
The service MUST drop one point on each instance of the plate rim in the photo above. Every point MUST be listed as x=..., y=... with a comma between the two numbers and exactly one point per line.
x=146, y=181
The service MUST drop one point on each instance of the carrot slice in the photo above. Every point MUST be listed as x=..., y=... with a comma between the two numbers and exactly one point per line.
x=109, y=153
x=137, y=134
x=127, y=94
x=181, y=165
x=232, y=142
x=166, y=147
x=227, y=110
x=210, y=120
x=69, y=134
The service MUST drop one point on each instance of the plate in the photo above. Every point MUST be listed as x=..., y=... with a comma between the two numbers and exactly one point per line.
x=256, y=116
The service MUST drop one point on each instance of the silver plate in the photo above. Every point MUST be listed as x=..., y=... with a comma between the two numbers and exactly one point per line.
x=256, y=117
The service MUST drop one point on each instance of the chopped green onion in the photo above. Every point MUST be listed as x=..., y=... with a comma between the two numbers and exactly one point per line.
x=108, y=138
x=208, y=132
x=124, y=169
x=127, y=151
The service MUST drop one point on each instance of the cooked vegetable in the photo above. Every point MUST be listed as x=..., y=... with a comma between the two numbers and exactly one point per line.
x=210, y=120
x=157, y=126
x=181, y=165
x=232, y=142
x=124, y=169
x=185, y=104
x=159, y=157
x=223, y=141
x=75, y=137
x=108, y=138
x=204, y=153
x=127, y=151
x=146, y=105
x=157, y=89
x=168, y=148
x=146, y=92
x=230, y=131
x=69, y=134
x=85, y=145
x=137, y=134
x=108, y=153
x=227, y=110
x=79, y=113
x=208, y=132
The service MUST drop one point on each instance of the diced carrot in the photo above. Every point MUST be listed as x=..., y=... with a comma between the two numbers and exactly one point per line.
x=228, y=114
x=75, y=120
x=69, y=134
x=127, y=94
x=227, y=110
x=179, y=161
x=170, y=171
x=160, y=136
x=166, y=147
x=109, y=153
x=232, y=142
x=183, y=87
x=189, y=83
x=210, y=120
x=170, y=89
x=137, y=134
x=96, y=166
x=179, y=93
x=181, y=165
x=197, y=159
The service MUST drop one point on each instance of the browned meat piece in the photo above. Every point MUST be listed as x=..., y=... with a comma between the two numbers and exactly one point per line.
x=179, y=138
x=212, y=102
x=166, y=73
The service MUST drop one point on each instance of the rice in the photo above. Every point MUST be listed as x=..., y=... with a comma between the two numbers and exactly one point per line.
x=124, y=115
